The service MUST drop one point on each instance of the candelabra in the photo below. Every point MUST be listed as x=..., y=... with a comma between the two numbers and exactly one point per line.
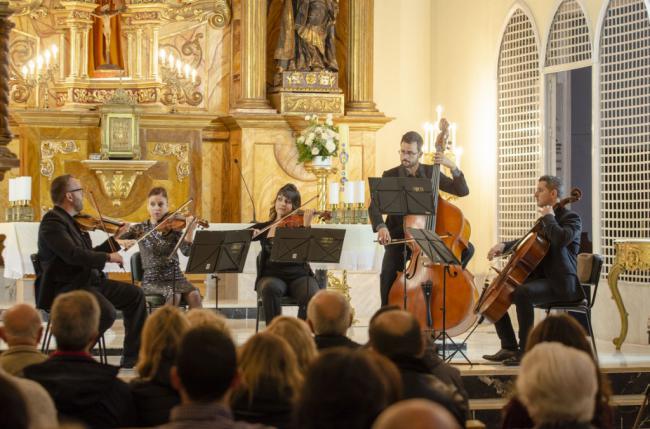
x=37, y=74
x=176, y=74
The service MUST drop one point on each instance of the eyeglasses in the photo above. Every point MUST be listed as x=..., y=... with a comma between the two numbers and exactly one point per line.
x=407, y=152
x=75, y=190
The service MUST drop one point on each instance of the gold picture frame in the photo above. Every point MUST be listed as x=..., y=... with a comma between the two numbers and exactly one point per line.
x=120, y=136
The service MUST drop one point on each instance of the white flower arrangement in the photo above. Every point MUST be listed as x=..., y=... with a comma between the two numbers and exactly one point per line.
x=318, y=139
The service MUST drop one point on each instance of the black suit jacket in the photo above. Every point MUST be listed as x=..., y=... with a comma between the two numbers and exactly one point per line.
x=559, y=265
x=456, y=186
x=68, y=260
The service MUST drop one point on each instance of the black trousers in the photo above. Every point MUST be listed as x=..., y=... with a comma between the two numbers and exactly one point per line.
x=130, y=301
x=533, y=292
x=394, y=261
x=272, y=289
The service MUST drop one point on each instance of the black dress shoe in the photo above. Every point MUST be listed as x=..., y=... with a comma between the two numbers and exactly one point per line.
x=501, y=355
x=513, y=361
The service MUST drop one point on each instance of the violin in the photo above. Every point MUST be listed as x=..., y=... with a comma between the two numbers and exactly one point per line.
x=297, y=219
x=88, y=223
x=177, y=222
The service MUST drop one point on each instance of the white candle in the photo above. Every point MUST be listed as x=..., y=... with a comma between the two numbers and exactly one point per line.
x=24, y=188
x=348, y=193
x=438, y=113
x=162, y=55
x=31, y=66
x=193, y=75
x=55, y=50
x=334, y=193
x=39, y=63
x=12, y=190
x=24, y=71
x=171, y=59
x=360, y=192
x=47, y=58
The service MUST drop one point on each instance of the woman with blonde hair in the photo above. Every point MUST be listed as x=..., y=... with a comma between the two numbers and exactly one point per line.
x=206, y=317
x=296, y=332
x=152, y=391
x=270, y=382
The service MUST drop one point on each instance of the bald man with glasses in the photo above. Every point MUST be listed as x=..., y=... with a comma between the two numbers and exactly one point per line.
x=69, y=262
x=392, y=228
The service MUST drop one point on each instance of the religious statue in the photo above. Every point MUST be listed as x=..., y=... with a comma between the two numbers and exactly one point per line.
x=105, y=14
x=307, y=36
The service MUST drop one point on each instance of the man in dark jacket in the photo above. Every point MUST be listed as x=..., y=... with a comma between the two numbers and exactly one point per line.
x=396, y=334
x=69, y=262
x=82, y=388
x=393, y=228
x=329, y=316
x=555, y=278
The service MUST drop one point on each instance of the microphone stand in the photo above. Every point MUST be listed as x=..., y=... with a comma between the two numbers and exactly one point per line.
x=241, y=175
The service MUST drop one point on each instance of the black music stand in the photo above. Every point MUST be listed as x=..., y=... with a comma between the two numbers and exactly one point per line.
x=439, y=254
x=219, y=252
x=402, y=196
x=307, y=245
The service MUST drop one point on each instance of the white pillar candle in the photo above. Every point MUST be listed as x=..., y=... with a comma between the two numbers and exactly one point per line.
x=360, y=192
x=348, y=193
x=334, y=193
x=12, y=190
x=24, y=188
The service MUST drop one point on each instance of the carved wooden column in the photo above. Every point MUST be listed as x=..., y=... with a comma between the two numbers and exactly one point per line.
x=7, y=159
x=253, y=57
x=359, y=98
x=138, y=53
x=154, y=52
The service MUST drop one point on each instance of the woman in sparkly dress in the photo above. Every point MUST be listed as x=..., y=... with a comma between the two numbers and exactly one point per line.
x=161, y=275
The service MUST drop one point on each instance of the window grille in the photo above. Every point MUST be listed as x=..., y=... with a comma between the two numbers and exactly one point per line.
x=624, y=127
x=568, y=40
x=519, y=149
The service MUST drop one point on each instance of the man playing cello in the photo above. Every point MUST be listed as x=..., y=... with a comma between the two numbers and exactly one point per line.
x=410, y=153
x=555, y=278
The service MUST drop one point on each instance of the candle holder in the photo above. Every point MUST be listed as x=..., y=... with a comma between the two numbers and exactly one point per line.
x=176, y=75
x=19, y=211
x=361, y=215
x=38, y=74
x=321, y=172
x=334, y=209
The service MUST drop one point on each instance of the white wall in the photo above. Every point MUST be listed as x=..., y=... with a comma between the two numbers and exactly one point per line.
x=450, y=49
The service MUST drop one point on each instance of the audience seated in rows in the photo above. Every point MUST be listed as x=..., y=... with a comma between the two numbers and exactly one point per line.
x=345, y=388
x=296, y=332
x=207, y=317
x=566, y=330
x=204, y=374
x=270, y=382
x=22, y=331
x=14, y=410
x=557, y=385
x=329, y=316
x=416, y=414
x=397, y=335
x=82, y=388
x=153, y=394
x=41, y=413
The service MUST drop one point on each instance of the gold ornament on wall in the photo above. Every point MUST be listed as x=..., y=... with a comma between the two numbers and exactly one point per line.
x=49, y=148
x=217, y=13
x=181, y=151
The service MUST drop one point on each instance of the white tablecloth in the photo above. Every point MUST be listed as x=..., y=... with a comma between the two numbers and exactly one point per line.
x=360, y=253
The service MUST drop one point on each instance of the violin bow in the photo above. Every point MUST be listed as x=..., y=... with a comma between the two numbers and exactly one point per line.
x=170, y=216
x=101, y=222
x=266, y=228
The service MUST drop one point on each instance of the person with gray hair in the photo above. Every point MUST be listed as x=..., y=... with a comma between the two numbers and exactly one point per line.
x=22, y=332
x=82, y=388
x=415, y=414
x=329, y=316
x=558, y=384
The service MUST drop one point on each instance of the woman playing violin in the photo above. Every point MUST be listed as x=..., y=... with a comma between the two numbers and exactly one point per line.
x=278, y=279
x=162, y=276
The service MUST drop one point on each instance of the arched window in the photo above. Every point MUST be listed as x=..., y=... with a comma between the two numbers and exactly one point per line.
x=568, y=40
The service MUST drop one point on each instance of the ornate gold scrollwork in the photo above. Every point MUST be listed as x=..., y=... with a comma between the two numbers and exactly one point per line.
x=181, y=151
x=49, y=148
x=216, y=12
x=21, y=50
x=341, y=285
x=33, y=8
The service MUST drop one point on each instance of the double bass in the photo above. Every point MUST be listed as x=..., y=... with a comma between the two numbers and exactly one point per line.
x=526, y=254
x=450, y=224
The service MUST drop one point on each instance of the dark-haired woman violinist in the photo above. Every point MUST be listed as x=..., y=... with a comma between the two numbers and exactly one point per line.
x=278, y=279
x=161, y=275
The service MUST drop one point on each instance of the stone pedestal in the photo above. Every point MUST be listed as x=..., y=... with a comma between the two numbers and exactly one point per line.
x=300, y=93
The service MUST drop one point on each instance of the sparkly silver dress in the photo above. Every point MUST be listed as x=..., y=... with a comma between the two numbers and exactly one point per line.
x=161, y=275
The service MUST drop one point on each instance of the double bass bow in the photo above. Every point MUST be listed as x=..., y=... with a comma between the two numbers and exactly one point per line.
x=525, y=255
x=450, y=224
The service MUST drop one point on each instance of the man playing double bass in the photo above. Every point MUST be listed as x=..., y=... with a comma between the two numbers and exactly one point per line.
x=393, y=228
x=555, y=278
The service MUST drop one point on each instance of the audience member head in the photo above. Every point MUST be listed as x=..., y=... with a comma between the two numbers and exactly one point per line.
x=22, y=326
x=560, y=328
x=205, y=317
x=396, y=334
x=14, y=408
x=161, y=336
x=267, y=361
x=416, y=414
x=329, y=313
x=75, y=320
x=557, y=384
x=382, y=310
x=206, y=365
x=390, y=375
x=297, y=334
x=343, y=388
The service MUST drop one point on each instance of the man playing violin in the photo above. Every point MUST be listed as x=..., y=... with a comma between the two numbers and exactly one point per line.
x=554, y=280
x=69, y=262
x=393, y=228
x=277, y=279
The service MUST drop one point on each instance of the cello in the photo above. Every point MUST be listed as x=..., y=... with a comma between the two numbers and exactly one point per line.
x=421, y=274
x=526, y=253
